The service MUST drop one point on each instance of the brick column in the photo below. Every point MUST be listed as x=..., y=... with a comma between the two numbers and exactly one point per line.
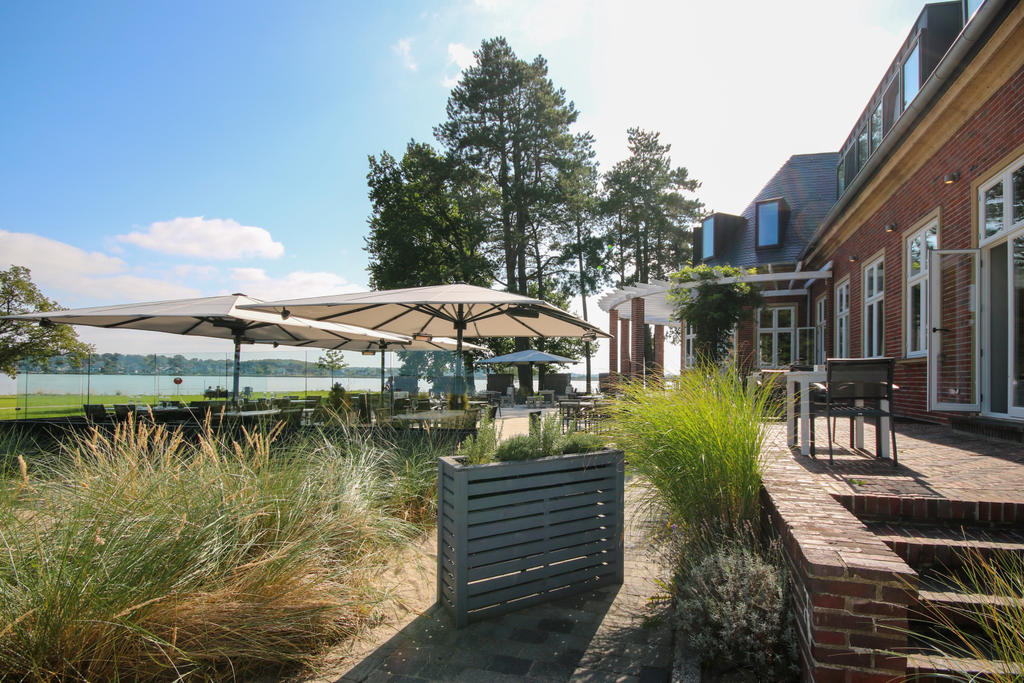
x=659, y=349
x=623, y=346
x=637, y=337
x=613, y=346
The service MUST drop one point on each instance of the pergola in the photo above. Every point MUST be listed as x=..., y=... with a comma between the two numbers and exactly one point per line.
x=648, y=304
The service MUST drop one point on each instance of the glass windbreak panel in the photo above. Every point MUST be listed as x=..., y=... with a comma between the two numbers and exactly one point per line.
x=911, y=76
x=1018, y=322
x=805, y=345
x=1018, y=195
x=708, y=238
x=916, y=304
x=768, y=224
x=785, y=317
x=765, y=344
x=955, y=379
x=914, y=253
x=876, y=127
x=862, y=147
x=785, y=352
x=994, y=209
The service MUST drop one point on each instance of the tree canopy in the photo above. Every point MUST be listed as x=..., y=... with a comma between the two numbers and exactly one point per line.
x=22, y=340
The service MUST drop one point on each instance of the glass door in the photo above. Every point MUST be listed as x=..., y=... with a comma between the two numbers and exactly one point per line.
x=953, y=358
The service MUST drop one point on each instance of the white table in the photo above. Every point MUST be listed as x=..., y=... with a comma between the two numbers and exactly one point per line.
x=801, y=381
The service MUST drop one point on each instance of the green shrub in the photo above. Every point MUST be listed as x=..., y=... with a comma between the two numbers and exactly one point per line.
x=733, y=608
x=698, y=445
x=582, y=442
x=480, y=448
x=521, y=447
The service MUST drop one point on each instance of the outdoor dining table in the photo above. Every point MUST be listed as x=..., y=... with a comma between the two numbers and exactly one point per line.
x=798, y=385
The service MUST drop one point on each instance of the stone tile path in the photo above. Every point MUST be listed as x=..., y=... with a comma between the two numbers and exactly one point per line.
x=612, y=634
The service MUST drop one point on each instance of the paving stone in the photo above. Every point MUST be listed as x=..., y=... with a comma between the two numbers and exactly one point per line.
x=551, y=671
x=506, y=664
x=594, y=676
x=526, y=635
x=557, y=625
x=655, y=674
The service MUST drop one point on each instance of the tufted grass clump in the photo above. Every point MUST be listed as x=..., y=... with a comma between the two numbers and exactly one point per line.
x=697, y=444
x=142, y=555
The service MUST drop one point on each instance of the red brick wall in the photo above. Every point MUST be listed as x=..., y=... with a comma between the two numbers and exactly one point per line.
x=637, y=344
x=991, y=133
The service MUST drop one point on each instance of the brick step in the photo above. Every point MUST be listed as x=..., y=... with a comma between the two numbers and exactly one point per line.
x=960, y=608
x=928, y=546
x=922, y=666
x=932, y=510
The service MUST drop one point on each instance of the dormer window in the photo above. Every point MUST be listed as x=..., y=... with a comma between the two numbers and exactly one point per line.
x=708, y=238
x=771, y=220
x=912, y=75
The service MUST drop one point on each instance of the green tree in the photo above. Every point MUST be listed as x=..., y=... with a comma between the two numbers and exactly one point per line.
x=649, y=209
x=331, y=361
x=713, y=308
x=427, y=225
x=22, y=340
x=507, y=121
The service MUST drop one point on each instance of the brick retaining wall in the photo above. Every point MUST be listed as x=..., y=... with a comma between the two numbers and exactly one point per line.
x=851, y=592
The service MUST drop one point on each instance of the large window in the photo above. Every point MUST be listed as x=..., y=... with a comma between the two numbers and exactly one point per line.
x=863, y=148
x=916, y=275
x=874, y=308
x=842, y=304
x=876, y=127
x=1001, y=202
x=708, y=238
x=841, y=175
x=912, y=76
x=775, y=336
x=769, y=223
x=820, y=321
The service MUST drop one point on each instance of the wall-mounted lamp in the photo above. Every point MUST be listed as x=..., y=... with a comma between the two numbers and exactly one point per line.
x=891, y=227
x=285, y=314
x=423, y=337
x=276, y=345
x=369, y=352
x=853, y=259
x=950, y=178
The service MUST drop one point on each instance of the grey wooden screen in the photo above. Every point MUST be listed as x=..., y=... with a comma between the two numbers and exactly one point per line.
x=517, y=533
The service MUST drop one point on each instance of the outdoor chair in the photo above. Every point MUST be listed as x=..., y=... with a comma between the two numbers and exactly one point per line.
x=95, y=412
x=122, y=411
x=857, y=387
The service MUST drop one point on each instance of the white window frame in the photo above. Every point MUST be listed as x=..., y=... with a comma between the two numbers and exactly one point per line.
x=873, y=307
x=689, y=340
x=775, y=330
x=1008, y=224
x=920, y=281
x=841, y=340
x=820, y=323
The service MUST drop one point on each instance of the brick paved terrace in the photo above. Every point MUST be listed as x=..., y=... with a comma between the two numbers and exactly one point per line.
x=865, y=541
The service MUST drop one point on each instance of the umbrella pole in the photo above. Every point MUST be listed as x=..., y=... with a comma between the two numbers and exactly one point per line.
x=238, y=362
x=382, y=347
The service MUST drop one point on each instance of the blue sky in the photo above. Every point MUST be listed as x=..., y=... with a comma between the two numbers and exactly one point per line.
x=164, y=149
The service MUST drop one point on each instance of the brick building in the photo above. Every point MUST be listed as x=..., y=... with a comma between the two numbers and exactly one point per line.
x=918, y=253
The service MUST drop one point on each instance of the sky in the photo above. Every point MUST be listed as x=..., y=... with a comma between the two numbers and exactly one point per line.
x=161, y=150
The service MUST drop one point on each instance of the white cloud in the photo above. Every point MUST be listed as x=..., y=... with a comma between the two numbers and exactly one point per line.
x=213, y=238
x=256, y=283
x=462, y=58
x=188, y=271
x=403, y=48
x=74, y=276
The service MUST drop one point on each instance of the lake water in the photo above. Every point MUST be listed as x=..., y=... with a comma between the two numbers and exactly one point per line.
x=163, y=385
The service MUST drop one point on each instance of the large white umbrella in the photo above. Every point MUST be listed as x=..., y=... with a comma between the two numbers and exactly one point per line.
x=458, y=310
x=215, y=316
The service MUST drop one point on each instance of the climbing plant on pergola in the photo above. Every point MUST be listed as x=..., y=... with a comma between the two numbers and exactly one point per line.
x=713, y=307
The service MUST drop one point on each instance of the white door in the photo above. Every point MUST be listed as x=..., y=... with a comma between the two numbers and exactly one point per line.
x=953, y=351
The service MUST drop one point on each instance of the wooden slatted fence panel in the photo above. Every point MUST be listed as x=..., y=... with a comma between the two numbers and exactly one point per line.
x=517, y=533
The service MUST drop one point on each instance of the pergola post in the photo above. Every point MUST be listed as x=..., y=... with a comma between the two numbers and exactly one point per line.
x=638, y=329
x=623, y=346
x=659, y=349
x=613, y=345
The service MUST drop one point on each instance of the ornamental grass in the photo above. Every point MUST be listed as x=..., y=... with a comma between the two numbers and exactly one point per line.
x=140, y=554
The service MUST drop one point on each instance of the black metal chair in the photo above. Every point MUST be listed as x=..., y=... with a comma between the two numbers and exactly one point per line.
x=857, y=387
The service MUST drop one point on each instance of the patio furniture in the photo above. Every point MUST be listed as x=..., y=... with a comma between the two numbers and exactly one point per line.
x=857, y=388
x=95, y=412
